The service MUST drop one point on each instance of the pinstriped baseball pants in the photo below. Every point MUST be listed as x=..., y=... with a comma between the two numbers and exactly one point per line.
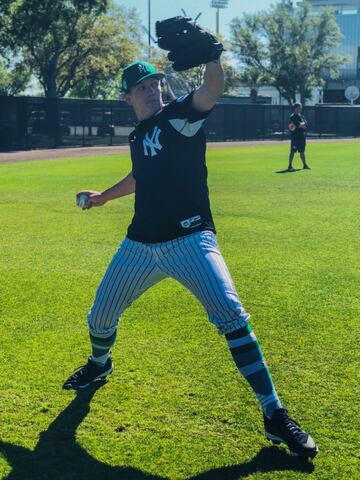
x=193, y=260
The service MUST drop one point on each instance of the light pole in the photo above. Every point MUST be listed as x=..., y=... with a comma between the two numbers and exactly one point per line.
x=149, y=29
x=218, y=4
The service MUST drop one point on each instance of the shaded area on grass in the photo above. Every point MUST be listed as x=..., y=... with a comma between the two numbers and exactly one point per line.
x=57, y=455
x=290, y=171
x=269, y=459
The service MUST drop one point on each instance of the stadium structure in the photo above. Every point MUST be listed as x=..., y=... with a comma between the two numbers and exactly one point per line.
x=347, y=16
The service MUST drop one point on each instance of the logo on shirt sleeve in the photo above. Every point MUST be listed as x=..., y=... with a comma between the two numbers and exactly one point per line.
x=152, y=143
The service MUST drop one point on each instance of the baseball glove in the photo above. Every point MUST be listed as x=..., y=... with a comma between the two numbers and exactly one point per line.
x=189, y=45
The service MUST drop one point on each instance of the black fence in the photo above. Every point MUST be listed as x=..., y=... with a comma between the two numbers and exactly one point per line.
x=37, y=122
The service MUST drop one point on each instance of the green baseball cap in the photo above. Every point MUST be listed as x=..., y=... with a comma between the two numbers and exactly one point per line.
x=137, y=72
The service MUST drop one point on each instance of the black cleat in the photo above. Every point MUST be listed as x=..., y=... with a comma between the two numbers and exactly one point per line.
x=88, y=373
x=283, y=429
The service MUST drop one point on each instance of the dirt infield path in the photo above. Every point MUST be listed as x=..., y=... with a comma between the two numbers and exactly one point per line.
x=29, y=155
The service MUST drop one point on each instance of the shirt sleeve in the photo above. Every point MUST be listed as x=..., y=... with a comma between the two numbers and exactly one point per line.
x=183, y=108
x=184, y=117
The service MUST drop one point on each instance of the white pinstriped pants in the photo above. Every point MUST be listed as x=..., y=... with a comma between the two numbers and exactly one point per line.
x=193, y=260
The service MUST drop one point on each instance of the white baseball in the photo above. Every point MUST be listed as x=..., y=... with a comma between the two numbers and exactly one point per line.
x=82, y=199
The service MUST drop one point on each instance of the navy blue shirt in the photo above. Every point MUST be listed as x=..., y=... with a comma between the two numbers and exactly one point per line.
x=168, y=164
x=296, y=119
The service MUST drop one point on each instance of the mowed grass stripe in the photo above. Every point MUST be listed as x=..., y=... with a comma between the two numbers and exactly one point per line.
x=176, y=406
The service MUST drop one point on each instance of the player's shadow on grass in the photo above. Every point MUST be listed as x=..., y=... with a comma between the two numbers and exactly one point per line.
x=269, y=459
x=57, y=455
x=289, y=171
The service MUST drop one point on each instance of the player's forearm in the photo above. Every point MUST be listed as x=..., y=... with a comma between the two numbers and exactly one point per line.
x=212, y=86
x=126, y=186
x=214, y=81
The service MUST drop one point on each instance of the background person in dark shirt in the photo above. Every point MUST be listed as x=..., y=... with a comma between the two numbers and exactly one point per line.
x=297, y=126
x=172, y=234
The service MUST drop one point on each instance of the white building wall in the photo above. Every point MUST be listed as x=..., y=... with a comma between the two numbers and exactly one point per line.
x=276, y=98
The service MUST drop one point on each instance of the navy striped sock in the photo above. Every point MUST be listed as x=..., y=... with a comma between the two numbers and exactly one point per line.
x=101, y=345
x=250, y=361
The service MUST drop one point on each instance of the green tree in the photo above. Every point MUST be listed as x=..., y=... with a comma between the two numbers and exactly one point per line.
x=114, y=42
x=254, y=79
x=58, y=38
x=290, y=48
x=232, y=76
x=14, y=77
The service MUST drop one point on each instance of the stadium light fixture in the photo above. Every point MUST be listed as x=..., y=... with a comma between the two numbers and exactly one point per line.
x=218, y=4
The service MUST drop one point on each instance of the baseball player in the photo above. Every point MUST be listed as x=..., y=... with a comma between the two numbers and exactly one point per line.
x=172, y=233
x=297, y=126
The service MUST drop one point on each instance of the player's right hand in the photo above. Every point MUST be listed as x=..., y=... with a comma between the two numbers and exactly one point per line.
x=95, y=199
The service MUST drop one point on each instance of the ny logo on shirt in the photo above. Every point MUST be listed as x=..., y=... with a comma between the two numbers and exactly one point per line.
x=152, y=143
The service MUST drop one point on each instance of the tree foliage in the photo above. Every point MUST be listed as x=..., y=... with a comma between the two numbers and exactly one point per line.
x=14, y=77
x=289, y=48
x=69, y=42
x=114, y=42
x=188, y=80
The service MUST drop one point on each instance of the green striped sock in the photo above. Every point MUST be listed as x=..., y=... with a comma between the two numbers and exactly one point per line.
x=101, y=345
x=250, y=361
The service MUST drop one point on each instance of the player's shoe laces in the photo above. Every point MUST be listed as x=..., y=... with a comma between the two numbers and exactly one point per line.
x=86, y=374
x=282, y=428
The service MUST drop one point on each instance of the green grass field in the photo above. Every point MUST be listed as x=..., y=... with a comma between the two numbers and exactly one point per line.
x=175, y=407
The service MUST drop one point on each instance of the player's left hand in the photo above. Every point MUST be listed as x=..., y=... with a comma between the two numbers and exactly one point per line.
x=189, y=45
